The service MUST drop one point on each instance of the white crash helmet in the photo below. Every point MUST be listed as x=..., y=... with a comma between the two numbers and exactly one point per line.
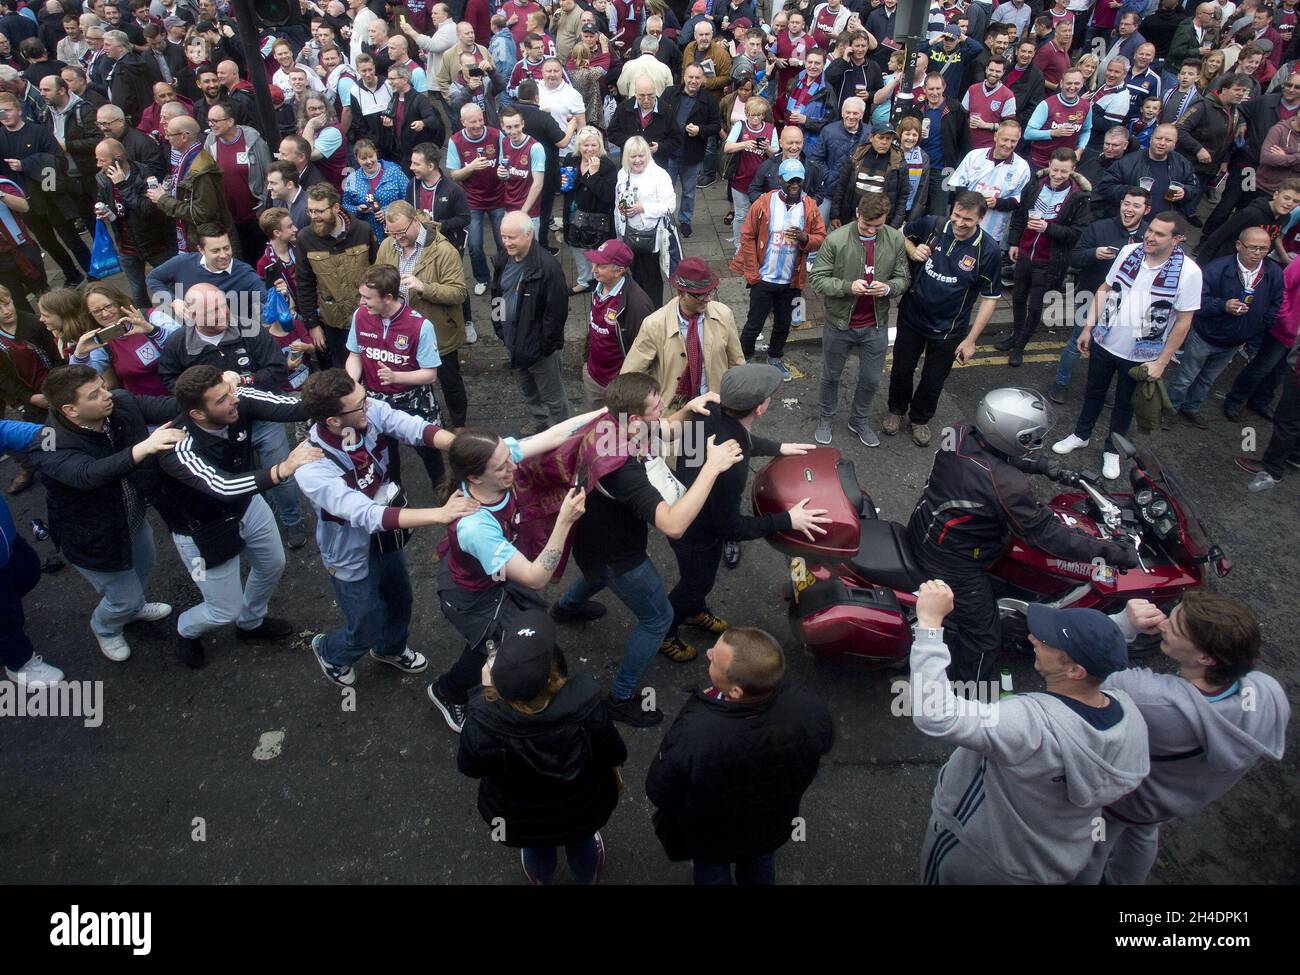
x=1013, y=421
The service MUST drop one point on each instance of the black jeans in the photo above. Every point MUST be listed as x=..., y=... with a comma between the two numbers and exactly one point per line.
x=1257, y=383
x=1286, y=428
x=250, y=240
x=453, y=388
x=1235, y=196
x=54, y=232
x=764, y=299
x=909, y=346
x=973, y=631
x=697, y=570
x=431, y=456
x=1102, y=367
x=19, y=284
x=760, y=871
x=646, y=273
x=17, y=579
x=1032, y=281
x=336, y=348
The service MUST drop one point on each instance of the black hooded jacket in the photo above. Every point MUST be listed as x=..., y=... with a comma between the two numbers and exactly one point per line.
x=549, y=777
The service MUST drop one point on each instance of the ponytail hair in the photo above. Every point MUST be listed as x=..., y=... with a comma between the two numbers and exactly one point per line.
x=468, y=457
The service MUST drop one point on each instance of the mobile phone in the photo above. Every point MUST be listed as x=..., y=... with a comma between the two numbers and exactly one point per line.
x=475, y=72
x=580, y=481
x=113, y=331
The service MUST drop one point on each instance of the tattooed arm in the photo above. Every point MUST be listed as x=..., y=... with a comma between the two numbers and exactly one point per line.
x=537, y=573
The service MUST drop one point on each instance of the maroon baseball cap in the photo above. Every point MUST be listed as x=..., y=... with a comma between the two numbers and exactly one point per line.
x=743, y=23
x=695, y=277
x=610, y=252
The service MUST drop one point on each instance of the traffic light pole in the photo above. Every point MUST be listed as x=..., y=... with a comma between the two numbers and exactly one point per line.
x=256, y=70
x=909, y=20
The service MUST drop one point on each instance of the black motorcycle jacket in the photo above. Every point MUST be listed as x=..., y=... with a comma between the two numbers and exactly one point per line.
x=974, y=501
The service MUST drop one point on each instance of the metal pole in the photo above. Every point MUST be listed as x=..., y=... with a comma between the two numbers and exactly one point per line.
x=256, y=70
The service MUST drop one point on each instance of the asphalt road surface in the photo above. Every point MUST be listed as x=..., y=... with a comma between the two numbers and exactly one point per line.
x=251, y=771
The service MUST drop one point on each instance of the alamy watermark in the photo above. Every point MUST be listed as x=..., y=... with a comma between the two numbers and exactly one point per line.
x=66, y=699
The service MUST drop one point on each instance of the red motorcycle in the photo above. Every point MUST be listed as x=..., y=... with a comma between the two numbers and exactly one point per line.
x=852, y=591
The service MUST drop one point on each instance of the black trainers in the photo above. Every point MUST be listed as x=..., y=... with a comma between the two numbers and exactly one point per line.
x=189, y=651
x=582, y=613
x=454, y=714
x=1006, y=344
x=1057, y=393
x=1233, y=409
x=408, y=661
x=271, y=628
x=686, y=230
x=631, y=712
x=295, y=536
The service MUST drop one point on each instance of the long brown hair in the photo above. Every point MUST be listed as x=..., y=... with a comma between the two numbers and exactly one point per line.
x=468, y=457
x=538, y=704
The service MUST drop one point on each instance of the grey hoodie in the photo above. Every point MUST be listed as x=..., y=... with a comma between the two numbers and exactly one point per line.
x=1200, y=746
x=1025, y=788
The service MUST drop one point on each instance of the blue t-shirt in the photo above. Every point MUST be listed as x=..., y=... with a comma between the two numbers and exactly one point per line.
x=933, y=144
x=480, y=533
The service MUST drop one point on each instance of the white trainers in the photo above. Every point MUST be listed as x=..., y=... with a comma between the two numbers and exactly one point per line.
x=35, y=673
x=1109, y=466
x=471, y=333
x=1069, y=444
x=152, y=613
x=480, y=288
x=115, y=648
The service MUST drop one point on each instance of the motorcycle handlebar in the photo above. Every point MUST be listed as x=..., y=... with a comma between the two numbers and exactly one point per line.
x=1040, y=465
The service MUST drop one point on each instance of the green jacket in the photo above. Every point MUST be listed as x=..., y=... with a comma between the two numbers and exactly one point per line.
x=842, y=260
x=1150, y=400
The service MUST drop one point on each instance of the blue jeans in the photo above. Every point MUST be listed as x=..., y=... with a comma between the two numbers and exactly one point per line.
x=582, y=267
x=740, y=204
x=477, y=259
x=133, y=268
x=272, y=445
x=224, y=600
x=749, y=873
x=121, y=593
x=1198, y=368
x=642, y=591
x=585, y=859
x=689, y=177
x=1070, y=356
x=377, y=609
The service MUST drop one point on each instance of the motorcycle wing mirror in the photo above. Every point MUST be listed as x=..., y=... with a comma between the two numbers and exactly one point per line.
x=1126, y=448
x=1219, y=559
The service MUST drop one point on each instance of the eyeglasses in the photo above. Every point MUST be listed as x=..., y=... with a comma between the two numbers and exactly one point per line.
x=365, y=401
x=1255, y=248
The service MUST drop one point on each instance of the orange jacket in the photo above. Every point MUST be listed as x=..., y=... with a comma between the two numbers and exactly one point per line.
x=754, y=237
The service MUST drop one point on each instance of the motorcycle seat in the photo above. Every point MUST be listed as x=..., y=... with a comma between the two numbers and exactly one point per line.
x=885, y=557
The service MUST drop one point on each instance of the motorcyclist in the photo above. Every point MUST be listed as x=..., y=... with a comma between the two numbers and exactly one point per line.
x=975, y=499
